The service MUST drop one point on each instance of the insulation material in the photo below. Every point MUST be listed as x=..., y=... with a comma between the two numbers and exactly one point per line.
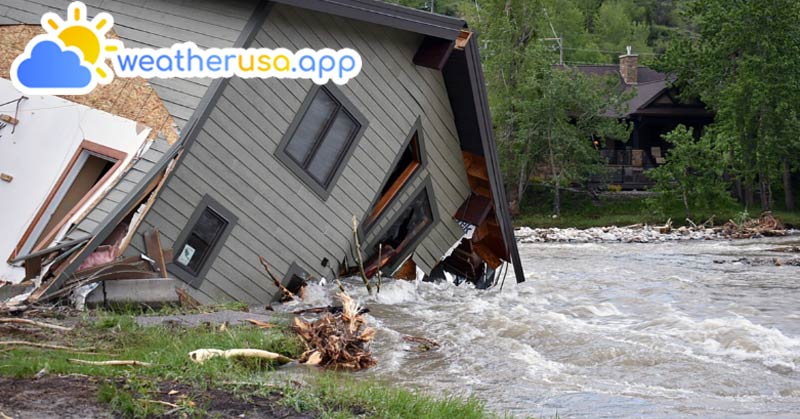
x=132, y=99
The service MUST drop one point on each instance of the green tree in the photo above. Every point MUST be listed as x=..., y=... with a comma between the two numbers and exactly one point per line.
x=565, y=122
x=616, y=28
x=693, y=174
x=742, y=62
x=545, y=116
x=442, y=7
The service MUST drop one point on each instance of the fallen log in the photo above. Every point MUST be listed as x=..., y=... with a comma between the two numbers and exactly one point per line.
x=201, y=355
x=425, y=344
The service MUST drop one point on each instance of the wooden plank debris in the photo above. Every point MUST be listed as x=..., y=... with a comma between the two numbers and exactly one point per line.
x=152, y=243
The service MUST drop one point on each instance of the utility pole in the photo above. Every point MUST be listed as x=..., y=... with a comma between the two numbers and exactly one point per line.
x=558, y=39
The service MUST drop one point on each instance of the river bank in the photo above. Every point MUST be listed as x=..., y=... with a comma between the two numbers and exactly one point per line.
x=639, y=234
x=45, y=382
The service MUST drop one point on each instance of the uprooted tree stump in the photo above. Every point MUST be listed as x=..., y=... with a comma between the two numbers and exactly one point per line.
x=337, y=341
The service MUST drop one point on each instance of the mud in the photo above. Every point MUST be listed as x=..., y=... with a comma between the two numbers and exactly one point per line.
x=75, y=397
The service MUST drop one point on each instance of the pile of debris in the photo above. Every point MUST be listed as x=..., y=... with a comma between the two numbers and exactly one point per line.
x=98, y=268
x=765, y=226
x=629, y=234
x=337, y=341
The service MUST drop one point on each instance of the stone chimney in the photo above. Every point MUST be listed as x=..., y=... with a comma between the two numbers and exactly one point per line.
x=628, y=67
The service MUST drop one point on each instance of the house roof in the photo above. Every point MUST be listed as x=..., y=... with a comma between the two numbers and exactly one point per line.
x=651, y=84
x=463, y=78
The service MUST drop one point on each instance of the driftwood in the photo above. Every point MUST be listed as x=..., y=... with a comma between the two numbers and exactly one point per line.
x=110, y=363
x=259, y=323
x=286, y=293
x=186, y=300
x=667, y=228
x=35, y=323
x=201, y=355
x=424, y=344
x=337, y=341
x=45, y=346
x=328, y=309
x=168, y=404
x=359, y=259
x=765, y=225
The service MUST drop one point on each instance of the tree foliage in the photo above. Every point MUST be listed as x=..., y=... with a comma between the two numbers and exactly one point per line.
x=743, y=63
x=694, y=174
x=545, y=116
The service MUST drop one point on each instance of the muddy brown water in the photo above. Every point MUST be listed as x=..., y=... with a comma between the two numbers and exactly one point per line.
x=679, y=329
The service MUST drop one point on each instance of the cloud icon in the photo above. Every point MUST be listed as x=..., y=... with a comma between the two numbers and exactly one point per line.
x=50, y=67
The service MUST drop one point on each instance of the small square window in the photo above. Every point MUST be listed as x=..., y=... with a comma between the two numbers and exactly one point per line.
x=201, y=240
x=321, y=138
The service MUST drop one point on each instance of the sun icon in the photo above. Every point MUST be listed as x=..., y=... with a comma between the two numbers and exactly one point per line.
x=87, y=37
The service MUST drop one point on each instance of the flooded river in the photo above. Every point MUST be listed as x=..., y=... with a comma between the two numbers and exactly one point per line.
x=670, y=329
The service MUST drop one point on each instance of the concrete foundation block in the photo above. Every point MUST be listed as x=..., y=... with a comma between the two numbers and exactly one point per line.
x=154, y=291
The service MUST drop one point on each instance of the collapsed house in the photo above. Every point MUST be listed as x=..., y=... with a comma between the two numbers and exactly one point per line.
x=279, y=168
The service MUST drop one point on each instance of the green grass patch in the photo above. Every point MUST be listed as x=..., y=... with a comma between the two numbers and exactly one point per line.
x=343, y=396
x=138, y=309
x=131, y=390
x=579, y=210
x=118, y=337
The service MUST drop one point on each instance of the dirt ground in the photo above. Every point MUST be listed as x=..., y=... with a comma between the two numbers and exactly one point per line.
x=71, y=397
x=51, y=397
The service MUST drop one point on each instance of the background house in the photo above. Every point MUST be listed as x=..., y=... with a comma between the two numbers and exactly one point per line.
x=654, y=110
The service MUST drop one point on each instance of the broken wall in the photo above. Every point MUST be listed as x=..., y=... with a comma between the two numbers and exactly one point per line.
x=49, y=133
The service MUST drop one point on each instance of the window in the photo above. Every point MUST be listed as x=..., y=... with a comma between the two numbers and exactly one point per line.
x=201, y=240
x=321, y=138
x=406, y=165
x=399, y=238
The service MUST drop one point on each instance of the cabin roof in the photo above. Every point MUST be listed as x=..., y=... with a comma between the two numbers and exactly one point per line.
x=651, y=84
x=463, y=77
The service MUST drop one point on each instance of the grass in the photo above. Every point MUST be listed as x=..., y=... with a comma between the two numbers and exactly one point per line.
x=130, y=390
x=579, y=210
x=338, y=395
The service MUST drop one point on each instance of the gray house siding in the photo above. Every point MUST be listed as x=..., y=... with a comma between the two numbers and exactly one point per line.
x=155, y=23
x=279, y=217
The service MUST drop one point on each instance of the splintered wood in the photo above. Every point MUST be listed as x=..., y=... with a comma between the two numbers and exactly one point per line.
x=337, y=341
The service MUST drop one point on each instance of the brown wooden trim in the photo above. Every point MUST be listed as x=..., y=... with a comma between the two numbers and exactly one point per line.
x=398, y=184
x=85, y=145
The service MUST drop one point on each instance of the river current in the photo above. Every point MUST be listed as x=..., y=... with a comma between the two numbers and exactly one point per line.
x=705, y=329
